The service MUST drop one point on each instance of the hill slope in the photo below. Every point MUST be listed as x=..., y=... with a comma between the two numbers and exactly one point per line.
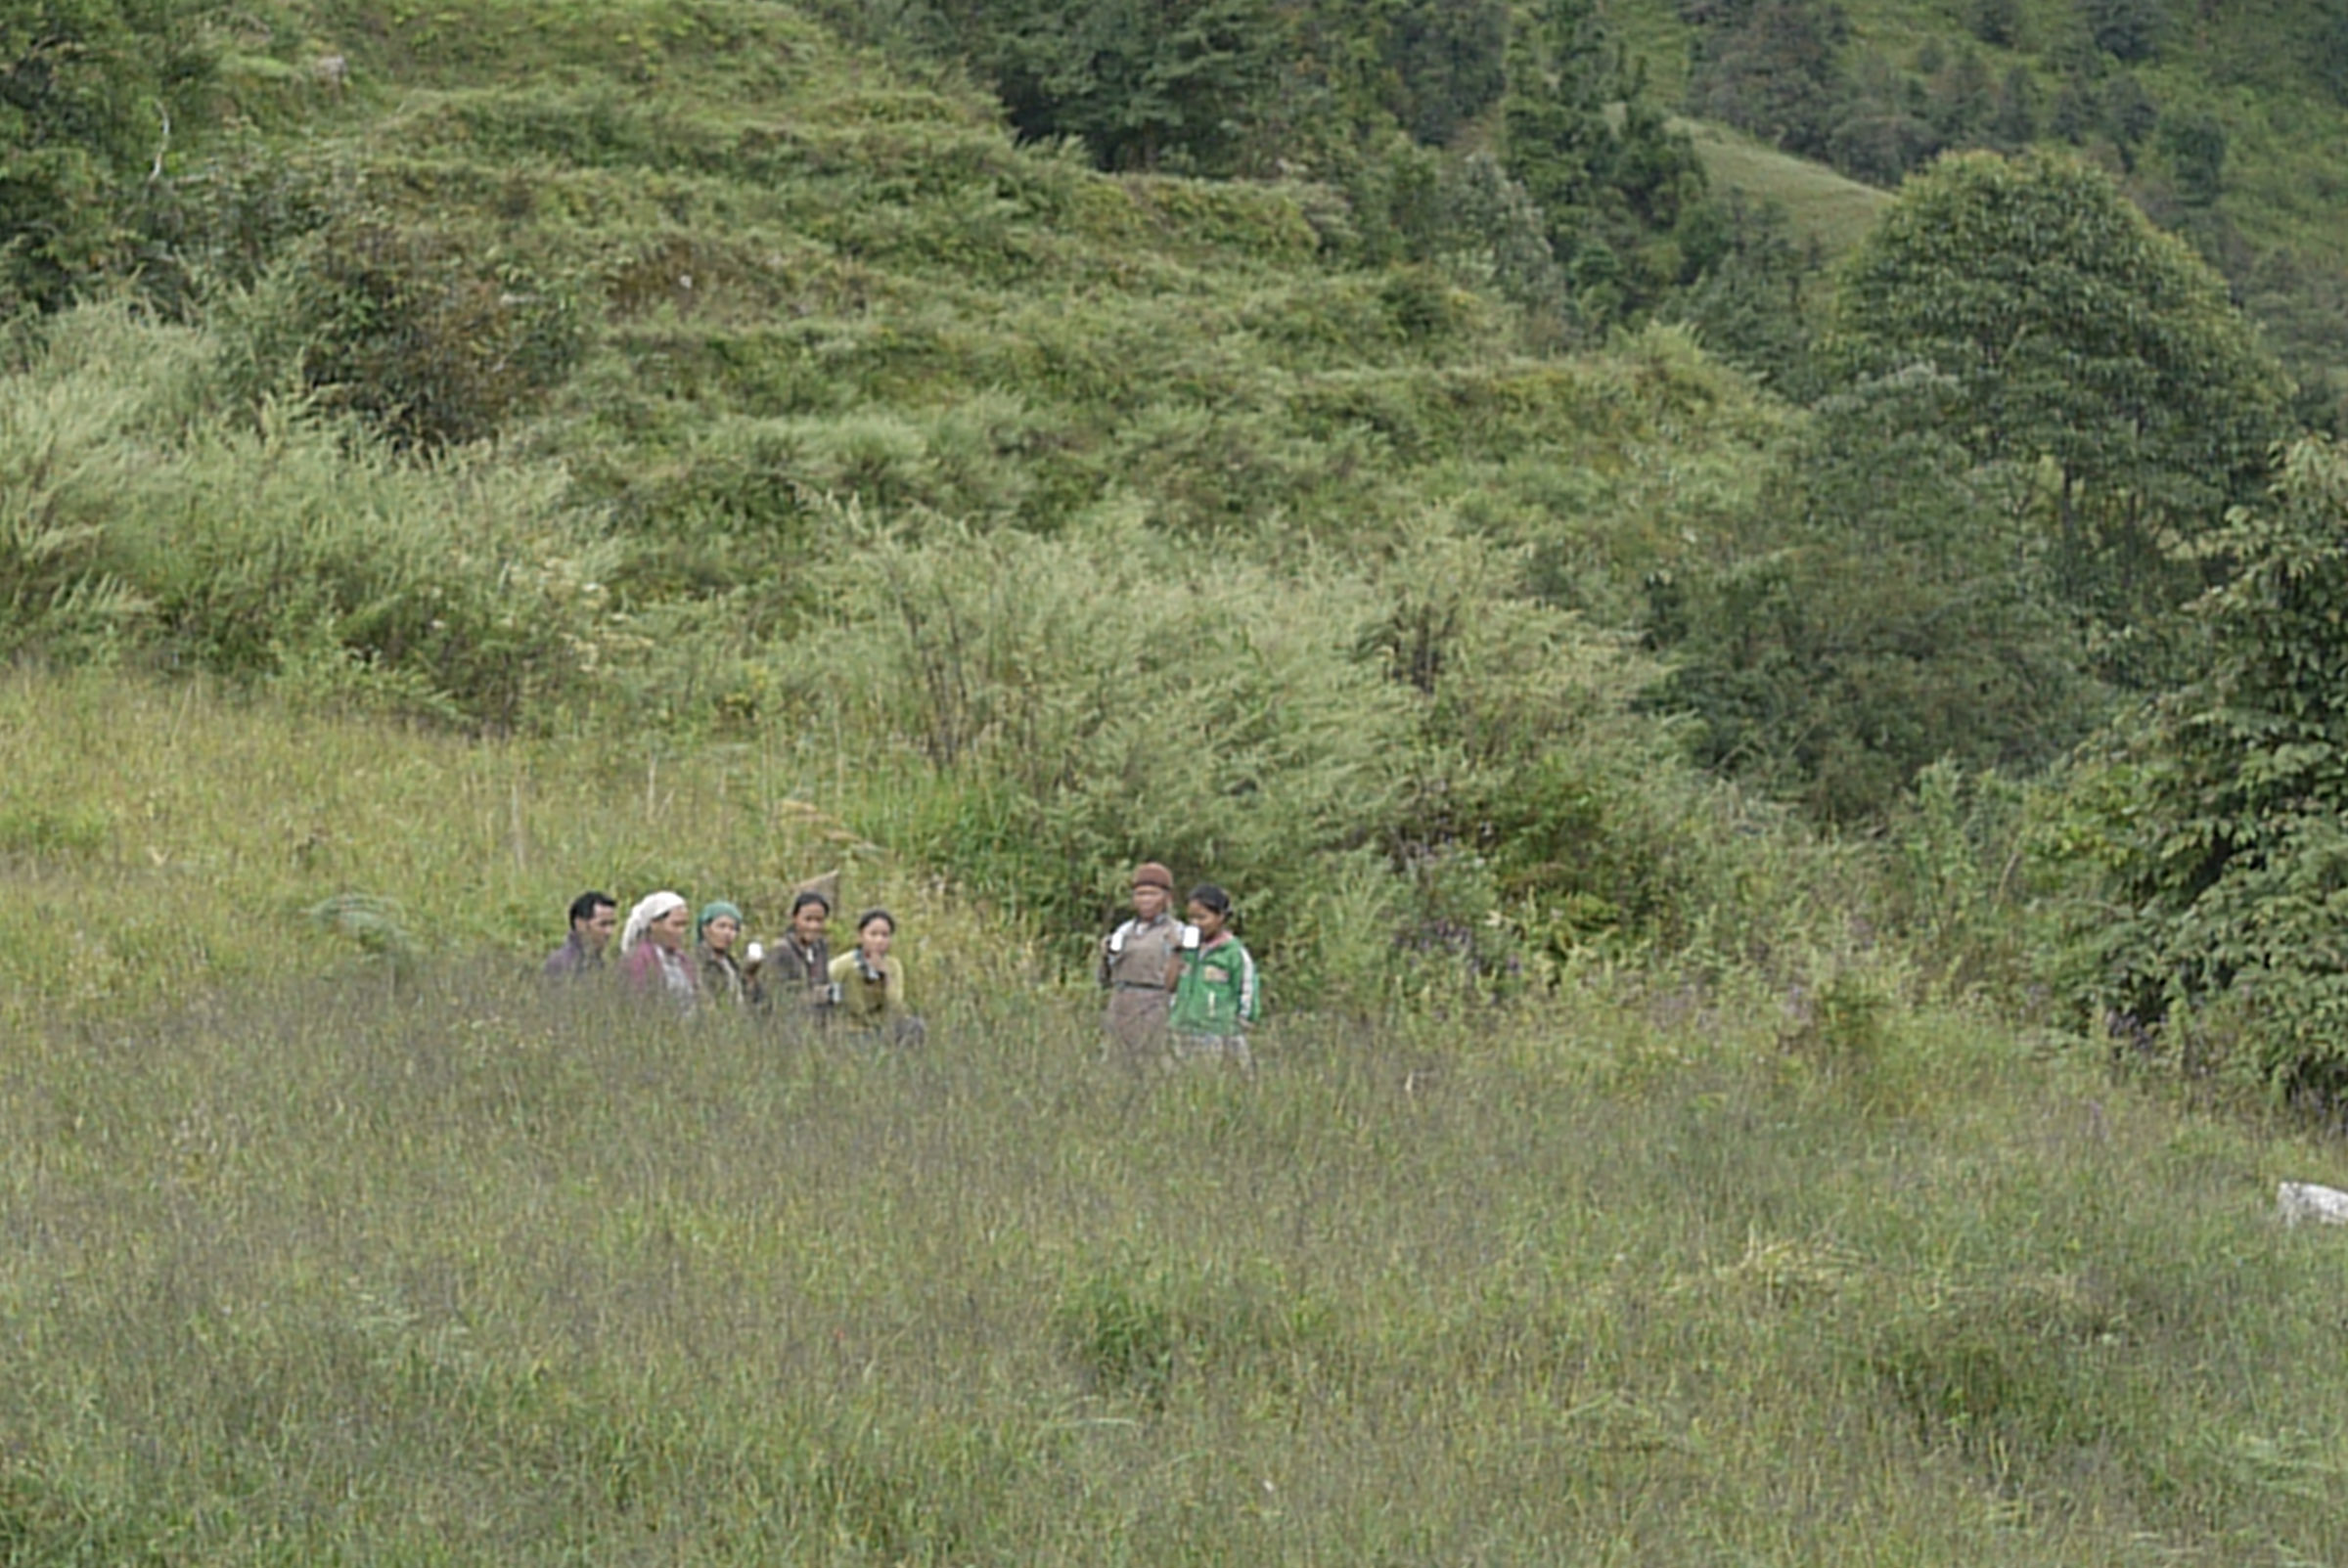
x=2229, y=124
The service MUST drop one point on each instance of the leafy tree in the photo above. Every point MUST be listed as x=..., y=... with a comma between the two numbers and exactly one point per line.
x=2085, y=346
x=2130, y=113
x=1750, y=308
x=1449, y=58
x=1963, y=101
x=2212, y=819
x=1142, y=82
x=92, y=93
x=2127, y=31
x=2077, y=111
x=1774, y=71
x=1881, y=607
x=2195, y=148
x=1622, y=192
x=2014, y=121
x=2328, y=47
x=1884, y=131
x=1998, y=22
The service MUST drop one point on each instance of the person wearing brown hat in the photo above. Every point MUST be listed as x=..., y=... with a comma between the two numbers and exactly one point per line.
x=1140, y=962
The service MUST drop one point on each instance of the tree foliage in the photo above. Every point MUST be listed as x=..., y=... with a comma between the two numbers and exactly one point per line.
x=2085, y=346
x=1624, y=193
x=1141, y=81
x=2211, y=819
x=1233, y=86
x=92, y=94
x=1774, y=68
x=2127, y=31
x=1880, y=607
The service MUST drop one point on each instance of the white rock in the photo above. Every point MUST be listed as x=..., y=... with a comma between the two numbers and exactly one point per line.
x=2295, y=1202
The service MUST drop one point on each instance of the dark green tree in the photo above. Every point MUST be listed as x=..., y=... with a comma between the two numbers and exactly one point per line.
x=2211, y=826
x=1775, y=70
x=2127, y=31
x=2130, y=114
x=1449, y=58
x=2195, y=145
x=1963, y=101
x=95, y=97
x=1998, y=22
x=2077, y=111
x=1143, y=83
x=2085, y=346
x=1884, y=130
x=2328, y=47
x=1879, y=608
x=2013, y=119
x=1754, y=307
x=1622, y=193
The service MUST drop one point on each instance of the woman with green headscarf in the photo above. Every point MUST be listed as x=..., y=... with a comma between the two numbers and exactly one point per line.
x=715, y=931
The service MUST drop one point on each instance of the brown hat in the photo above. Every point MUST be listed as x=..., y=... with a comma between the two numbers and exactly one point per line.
x=1150, y=874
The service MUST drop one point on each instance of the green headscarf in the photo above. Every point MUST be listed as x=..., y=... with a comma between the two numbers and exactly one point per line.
x=711, y=912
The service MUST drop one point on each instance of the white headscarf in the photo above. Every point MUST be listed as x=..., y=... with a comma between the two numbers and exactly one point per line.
x=650, y=907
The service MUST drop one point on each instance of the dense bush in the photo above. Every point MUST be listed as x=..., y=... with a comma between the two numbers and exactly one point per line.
x=433, y=337
x=1883, y=605
x=283, y=547
x=2085, y=346
x=1415, y=751
x=2207, y=826
x=1117, y=696
x=92, y=95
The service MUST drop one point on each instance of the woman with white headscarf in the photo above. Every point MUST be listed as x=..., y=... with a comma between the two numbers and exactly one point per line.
x=653, y=962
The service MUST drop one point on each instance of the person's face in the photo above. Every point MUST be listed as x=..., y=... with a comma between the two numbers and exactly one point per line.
x=1148, y=901
x=721, y=932
x=670, y=929
x=874, y=939
x=1209, y=923
x=597, y=929
x=808, y=924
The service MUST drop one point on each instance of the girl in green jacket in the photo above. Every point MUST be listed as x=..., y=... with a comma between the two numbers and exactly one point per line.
x=1216, y=997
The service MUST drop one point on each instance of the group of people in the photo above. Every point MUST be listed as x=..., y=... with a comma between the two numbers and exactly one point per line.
x=689, y=961
x=1178, y=990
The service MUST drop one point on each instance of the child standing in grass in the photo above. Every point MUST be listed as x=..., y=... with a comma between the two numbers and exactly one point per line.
x=1216, y=997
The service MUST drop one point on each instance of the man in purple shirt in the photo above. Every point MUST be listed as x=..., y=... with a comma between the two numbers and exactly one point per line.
x=593, y=917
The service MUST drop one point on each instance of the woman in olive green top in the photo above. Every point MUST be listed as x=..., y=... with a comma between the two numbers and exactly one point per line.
x=872, y=984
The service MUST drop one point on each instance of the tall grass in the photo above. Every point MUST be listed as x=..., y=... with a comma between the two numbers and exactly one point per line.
x=164, y=840
x=463, y=1273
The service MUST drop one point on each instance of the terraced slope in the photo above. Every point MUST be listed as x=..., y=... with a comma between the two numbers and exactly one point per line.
x=806, y=271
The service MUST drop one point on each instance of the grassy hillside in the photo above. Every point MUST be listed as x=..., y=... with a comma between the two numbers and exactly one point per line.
x=334, y=1265
x=809, y=271
x=2266, y=75
x=679, y=369
x=658, y=444
x=1821, y=207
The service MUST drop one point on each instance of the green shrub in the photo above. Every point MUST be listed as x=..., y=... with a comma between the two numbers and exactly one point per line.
x=1135, y=697
x=465, y=589
x=2205, y=828
x=97, y=91
x=434, y=337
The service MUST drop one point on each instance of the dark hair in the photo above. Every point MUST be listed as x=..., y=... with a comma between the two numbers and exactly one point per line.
x=583, y=907
x=1207, y=895
x=811, y=896
x=872, y=915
